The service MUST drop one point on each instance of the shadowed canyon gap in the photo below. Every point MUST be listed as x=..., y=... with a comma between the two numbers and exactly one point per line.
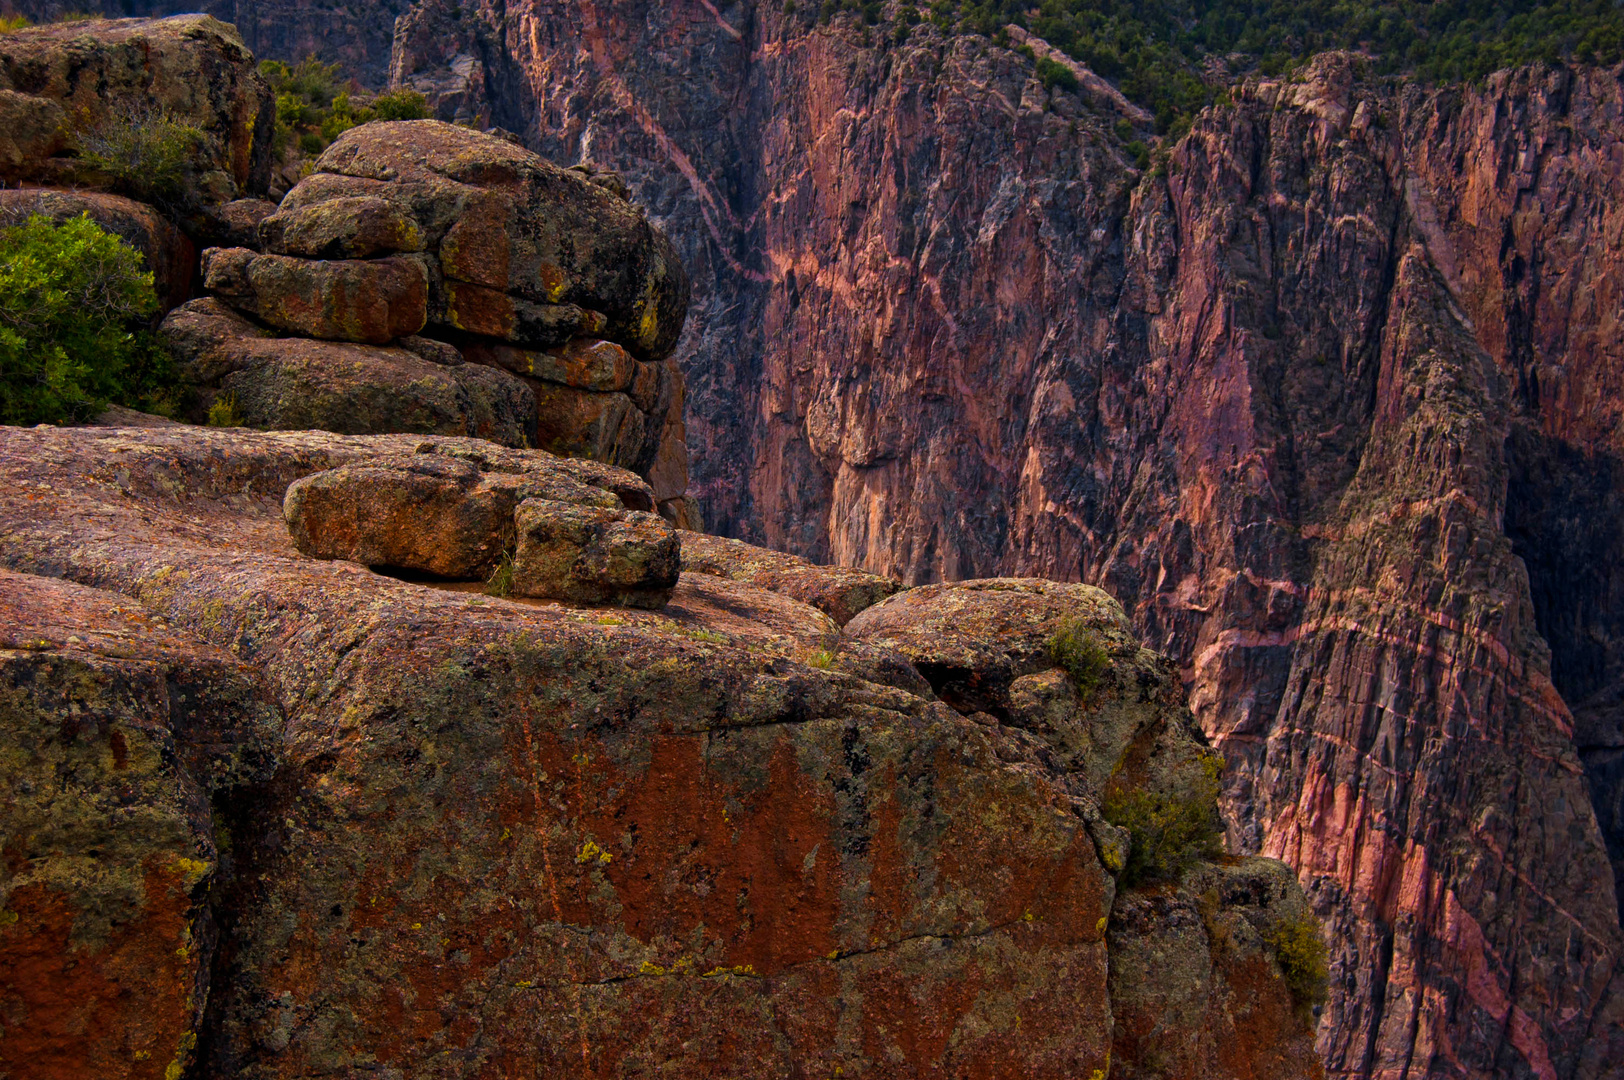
x=1325, y=403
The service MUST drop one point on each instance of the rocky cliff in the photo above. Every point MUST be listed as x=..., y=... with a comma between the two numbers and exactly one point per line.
x=265, y=813
x=1323, y=397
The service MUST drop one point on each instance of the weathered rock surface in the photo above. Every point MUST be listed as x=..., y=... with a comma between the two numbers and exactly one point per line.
x=460, y=246
x=839, y=592
x=461, y=515
x=58, y=81
x=300, y=383
x=507, y=834
x=1329, y=404
x=168, y=253
x=116, y=733
x=524, y=250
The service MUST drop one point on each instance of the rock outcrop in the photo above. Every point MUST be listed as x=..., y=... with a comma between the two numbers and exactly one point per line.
x=489, y=834
x=1325, y=399
x=62, y=82
x=426, y=239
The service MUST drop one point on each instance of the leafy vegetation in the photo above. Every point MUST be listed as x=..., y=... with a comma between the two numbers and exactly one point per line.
x=1157, y=51
x=224, y=412
x=73, y=303
x=1172, y=826
x=1299, y=947
x=313, y=106
x=146, y=151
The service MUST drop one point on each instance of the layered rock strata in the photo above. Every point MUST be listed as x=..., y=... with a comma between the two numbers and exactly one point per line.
x=504, y=835
x=1324, y=399
x=463, y=515
x=550, y=285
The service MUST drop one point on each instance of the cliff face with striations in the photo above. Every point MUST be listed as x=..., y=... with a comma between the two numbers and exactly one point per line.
x=1324, y=402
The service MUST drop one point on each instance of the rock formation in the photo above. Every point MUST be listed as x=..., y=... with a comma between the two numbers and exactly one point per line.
x=61, y=82
x=559, y=294
x=272, y=815
x=1324, y=398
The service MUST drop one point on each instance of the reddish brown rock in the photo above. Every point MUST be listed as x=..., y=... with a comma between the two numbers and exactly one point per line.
x=521, y=832
x=115, y=732
x=593, y=555
x=531, y=253
x=372, y=301
x=357, y=227
x=296, y=383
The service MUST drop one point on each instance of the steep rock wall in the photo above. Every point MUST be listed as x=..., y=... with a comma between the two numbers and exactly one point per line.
x=1324, y=403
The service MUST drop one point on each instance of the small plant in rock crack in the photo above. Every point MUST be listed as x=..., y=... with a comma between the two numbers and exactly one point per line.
x=500, y=583
x=145, y=151
x=1172, y=827
x=1075, y=649
x=1299, y=948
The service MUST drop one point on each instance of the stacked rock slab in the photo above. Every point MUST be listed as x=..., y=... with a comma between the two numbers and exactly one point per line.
x=550, y=283
x=466, y=514
x=505, y=838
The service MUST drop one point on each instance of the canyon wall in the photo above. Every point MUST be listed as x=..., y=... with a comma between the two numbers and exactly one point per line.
x=1322, y=397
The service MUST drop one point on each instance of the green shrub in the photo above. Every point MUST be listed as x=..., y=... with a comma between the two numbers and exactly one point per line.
x=1078, y=651
x=73, y=300
x=1299, y=948
x=146, y=151
x=312, y=110
x=401, y=105
x=9, y=23
x=1173, y=827
x=223, y=413
x=1053, y=73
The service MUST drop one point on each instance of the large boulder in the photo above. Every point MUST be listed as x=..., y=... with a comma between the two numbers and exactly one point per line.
x=523, y=250
x=115, y=734
x=60, y=81
x=462, y=516
x=297, y=383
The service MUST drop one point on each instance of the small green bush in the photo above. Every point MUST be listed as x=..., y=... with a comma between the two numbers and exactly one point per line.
x=1078, y=651
x=1172, y=828
x=9, y=23
x=1053, y=73
x=73, y=301
x=223, y=413
x=146, y=151
x=401, y=105
x=1299, y=947
x=312, y=110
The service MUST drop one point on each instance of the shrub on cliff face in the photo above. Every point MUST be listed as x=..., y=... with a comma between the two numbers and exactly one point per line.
x=73, y=299
x=1172, y=826
x=147, y=153
x=1079, y=652
x=1299, y=948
